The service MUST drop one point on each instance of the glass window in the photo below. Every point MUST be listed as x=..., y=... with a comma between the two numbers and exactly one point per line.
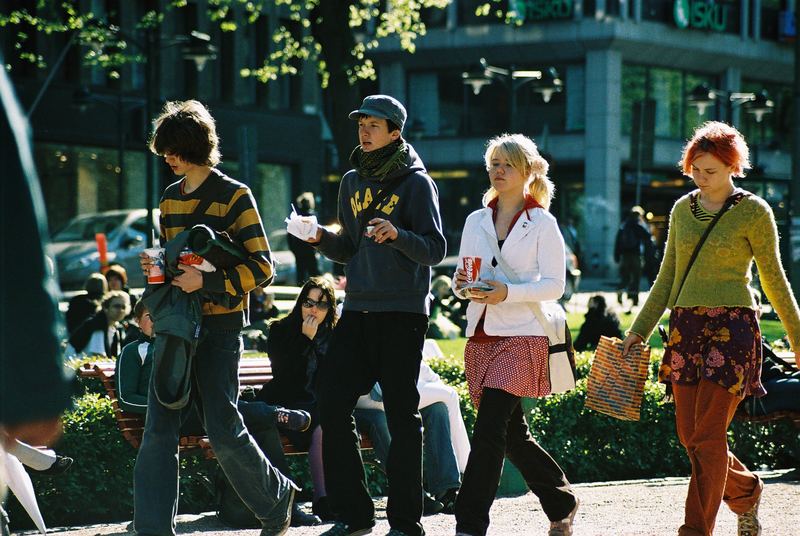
x=634, y=89
x=691, y=115
x=657, y=10
x=666, y=88
x=575, y=98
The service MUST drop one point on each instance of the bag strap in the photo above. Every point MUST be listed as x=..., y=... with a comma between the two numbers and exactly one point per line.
x=514, y=278
x=728, y=203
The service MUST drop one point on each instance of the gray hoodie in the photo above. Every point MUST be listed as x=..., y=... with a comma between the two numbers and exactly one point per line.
x=393, y=276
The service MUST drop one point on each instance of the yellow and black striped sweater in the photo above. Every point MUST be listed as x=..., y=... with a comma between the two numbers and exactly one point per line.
x=234, y=211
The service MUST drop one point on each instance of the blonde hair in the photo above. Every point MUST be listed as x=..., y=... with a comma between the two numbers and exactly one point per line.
x=522, y=153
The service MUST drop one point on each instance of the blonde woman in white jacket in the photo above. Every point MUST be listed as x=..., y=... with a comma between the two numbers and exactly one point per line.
x=506, y=354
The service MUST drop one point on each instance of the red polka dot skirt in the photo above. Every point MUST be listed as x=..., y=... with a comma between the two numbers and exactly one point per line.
x=517, y=365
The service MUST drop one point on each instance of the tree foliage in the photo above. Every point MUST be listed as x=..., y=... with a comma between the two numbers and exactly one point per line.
x=360, y=26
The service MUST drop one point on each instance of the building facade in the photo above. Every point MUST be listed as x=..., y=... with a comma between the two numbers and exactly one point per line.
x=618, y=60
x=90, y=129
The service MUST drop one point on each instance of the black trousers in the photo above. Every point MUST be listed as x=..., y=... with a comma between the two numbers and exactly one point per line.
x=500, y=431
x=365, y=348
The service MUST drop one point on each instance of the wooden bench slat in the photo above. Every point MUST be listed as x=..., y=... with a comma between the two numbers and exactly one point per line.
x=255, y=371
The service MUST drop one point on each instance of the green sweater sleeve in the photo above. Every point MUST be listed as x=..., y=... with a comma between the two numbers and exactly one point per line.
x=763, y=238
x=658, y=299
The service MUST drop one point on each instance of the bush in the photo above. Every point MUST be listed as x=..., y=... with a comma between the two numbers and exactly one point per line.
x=99, y=485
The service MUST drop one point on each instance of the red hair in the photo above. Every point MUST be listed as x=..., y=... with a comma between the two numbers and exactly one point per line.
x=720, y=140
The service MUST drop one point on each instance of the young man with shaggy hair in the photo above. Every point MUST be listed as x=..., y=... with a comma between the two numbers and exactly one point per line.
x=185, y=135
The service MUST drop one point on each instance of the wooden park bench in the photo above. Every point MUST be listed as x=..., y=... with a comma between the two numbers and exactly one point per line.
x=253, y=372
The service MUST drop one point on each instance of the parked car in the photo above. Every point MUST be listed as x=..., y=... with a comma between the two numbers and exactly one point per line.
x=74, y=249
x=573, y=276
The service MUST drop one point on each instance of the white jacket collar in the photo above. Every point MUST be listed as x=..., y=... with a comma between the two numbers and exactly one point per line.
x=521, y=228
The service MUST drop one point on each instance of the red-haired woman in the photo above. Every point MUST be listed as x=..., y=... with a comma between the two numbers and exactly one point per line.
x=713, y=357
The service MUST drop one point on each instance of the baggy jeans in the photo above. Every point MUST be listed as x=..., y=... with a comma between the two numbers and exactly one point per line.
x=216, y=389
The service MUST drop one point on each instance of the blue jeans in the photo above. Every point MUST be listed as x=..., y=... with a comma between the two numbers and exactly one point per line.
x=215, y=389
x=439, y=466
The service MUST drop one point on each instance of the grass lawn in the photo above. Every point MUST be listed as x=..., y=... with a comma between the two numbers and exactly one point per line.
x=454, y=348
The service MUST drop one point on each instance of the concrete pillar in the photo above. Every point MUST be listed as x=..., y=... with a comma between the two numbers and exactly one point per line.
x=756, y=18
x=602, y=180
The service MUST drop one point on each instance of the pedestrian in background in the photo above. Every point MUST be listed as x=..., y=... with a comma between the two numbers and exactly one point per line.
x=391, y=235
x=599, y=320
x=713, y=357
x=633, y=238
x=506, y=357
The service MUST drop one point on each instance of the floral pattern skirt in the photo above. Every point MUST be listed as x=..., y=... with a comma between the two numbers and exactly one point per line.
x=719, y=344
x=516, y=365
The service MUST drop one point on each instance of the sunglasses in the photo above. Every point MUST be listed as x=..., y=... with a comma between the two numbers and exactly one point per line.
x=117, y=306
x=308, y=303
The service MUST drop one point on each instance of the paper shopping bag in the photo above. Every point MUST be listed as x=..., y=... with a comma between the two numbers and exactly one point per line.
x=616, y=385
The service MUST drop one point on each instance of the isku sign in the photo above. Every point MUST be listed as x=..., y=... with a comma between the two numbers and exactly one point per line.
x=700, y=14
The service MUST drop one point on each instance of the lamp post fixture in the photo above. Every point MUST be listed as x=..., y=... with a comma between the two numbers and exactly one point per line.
x=547, y=82
x=757, y=104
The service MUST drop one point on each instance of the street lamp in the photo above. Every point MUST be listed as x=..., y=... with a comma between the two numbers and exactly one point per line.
x=547, y=82
x=757, y=104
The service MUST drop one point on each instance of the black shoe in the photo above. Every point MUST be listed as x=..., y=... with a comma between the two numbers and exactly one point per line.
x=59, y=467
x=342, y=529
x=292, y=419
x=322, y=508
x=280, y=526
x=431, y=506
x=302, y=519
x=448, y=499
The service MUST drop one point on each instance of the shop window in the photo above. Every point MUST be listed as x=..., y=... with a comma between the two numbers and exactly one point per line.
x=634, y=89
x=666, y=88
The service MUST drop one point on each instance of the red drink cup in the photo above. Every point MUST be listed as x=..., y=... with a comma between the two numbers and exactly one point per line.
x=472, y=265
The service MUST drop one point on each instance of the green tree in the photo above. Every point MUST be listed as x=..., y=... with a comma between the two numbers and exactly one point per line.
x=332, y=37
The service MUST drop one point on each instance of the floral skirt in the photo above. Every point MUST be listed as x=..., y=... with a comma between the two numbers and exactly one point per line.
x=719, y=344
x=517, y=365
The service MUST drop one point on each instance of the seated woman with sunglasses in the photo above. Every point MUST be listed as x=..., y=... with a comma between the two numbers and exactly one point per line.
x=295, y=345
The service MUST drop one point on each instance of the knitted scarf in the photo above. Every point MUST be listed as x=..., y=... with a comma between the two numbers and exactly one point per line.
x=380, y=162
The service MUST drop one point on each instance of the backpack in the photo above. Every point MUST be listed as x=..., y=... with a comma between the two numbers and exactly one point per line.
x=628, y=237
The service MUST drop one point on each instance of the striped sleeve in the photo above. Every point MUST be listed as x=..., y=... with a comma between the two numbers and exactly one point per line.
x=245, y=227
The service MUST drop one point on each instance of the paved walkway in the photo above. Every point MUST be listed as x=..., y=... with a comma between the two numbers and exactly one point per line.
x=641, y=507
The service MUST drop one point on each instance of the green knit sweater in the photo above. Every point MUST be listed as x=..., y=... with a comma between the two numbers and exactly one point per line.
x=720, y=276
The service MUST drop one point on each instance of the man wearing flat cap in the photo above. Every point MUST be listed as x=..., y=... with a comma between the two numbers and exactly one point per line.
x=391, y=235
